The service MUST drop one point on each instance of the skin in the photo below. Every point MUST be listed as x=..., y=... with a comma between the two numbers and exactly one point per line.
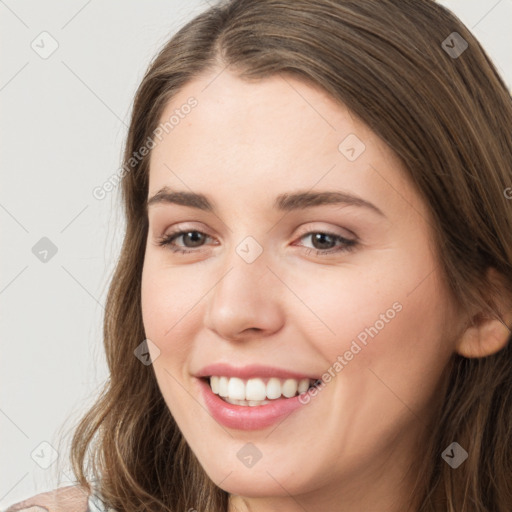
x=243, y=144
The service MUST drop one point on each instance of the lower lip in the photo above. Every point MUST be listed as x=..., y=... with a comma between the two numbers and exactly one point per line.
x=246, y=417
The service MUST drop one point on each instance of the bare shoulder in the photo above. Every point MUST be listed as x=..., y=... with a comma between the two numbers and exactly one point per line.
x=72, y=498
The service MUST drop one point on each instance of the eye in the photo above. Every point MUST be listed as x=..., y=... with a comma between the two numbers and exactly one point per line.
x=321, y=239
x=195, y=237
x=194, y=240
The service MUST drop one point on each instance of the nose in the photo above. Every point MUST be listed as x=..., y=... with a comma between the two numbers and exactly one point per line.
x=246, y=301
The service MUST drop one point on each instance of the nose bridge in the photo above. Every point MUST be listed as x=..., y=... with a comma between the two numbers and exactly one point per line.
x=247, y=295
x=248, y=276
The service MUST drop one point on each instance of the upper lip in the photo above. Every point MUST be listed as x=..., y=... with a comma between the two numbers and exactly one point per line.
x=251, y=371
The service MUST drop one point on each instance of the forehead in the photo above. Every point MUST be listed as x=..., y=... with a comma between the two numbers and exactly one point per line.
x=278, y=116
x=278, y=133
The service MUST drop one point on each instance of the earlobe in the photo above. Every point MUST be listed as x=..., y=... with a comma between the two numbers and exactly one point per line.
x=486, y=334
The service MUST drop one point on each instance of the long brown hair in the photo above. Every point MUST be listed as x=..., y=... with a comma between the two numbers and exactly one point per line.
x=448, y=118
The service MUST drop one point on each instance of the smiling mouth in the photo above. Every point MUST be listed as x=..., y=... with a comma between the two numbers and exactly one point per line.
x=257, y=391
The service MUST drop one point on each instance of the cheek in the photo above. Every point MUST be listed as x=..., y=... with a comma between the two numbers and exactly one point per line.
x=389, y=318
x=342, y=305
x=168, y=296
x=166, y=307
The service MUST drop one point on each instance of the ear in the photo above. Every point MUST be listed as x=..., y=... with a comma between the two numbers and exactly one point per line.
x=486, y=335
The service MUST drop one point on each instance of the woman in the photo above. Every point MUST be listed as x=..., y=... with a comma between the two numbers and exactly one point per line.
x=312, y=306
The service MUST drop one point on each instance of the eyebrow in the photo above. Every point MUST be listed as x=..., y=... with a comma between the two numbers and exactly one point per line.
x=283, y=202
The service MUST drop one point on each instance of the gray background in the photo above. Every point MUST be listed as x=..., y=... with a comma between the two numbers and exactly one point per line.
x=63, y=123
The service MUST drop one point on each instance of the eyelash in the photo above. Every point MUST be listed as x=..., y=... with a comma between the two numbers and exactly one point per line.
x=349, y=245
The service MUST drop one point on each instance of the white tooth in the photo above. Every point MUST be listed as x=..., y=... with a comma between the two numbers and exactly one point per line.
x=303, y=385
x=255, y=389
x=273, y=388
x=236, y=388
x=290, y=388
x=223, y=386
x=214, y=384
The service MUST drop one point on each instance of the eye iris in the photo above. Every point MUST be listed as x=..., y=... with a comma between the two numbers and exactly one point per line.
x=195, y=236
x=320, y=237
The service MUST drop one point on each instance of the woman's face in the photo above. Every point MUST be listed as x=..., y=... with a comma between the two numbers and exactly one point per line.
x=310, y=256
